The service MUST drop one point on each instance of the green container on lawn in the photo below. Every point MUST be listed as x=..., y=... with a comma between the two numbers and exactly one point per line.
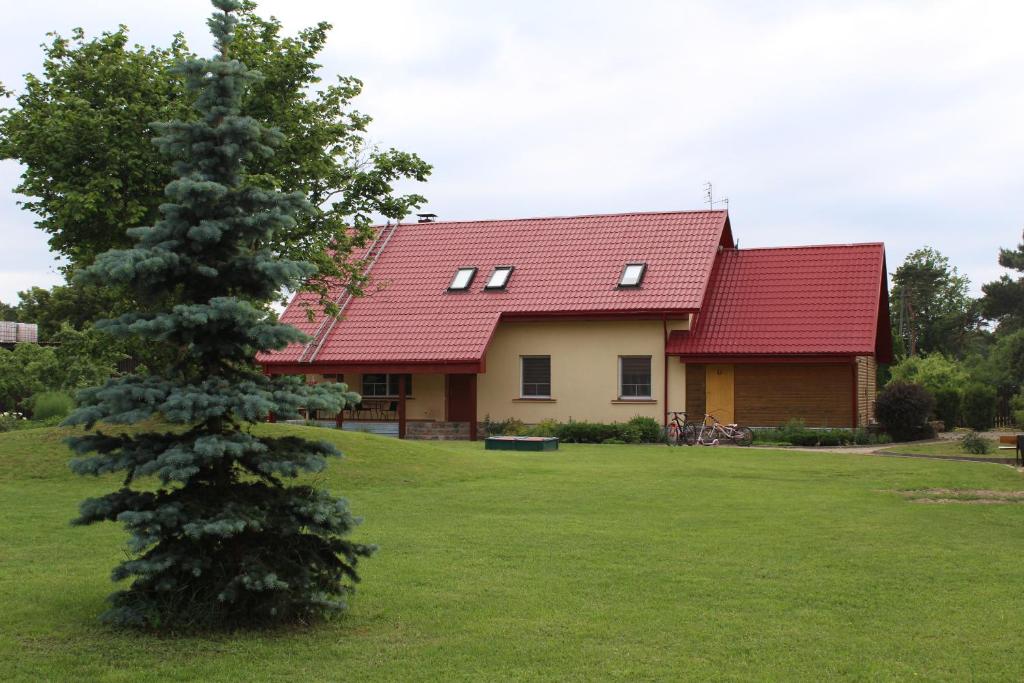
x=521, y=443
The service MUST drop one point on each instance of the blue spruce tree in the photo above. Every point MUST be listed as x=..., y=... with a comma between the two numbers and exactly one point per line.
x=220, y=540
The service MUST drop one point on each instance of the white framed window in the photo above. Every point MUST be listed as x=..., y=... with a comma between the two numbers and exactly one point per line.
x=462, y=280
x=634, y=377
x=535, y=378
x=632, y=275
x=499, y=278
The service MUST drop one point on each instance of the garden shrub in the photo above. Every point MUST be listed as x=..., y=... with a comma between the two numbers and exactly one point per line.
x=947, y=407
x=979, y=407
x=903, y=409
x=588, y=432
x=546, y=427
x=509, y=427
x=972, y=442
x=861, y=437
x=10, y=420
x=49, y=404
x=806, y=437
x=1017, y=410
x=647, y=429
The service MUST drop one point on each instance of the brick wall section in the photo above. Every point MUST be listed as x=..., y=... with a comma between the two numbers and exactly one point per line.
x=696, y=384
x=867, y=389
x=771, y=394
x=437, y=431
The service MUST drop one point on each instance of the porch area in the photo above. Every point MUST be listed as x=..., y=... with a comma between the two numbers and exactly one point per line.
x=406, y=405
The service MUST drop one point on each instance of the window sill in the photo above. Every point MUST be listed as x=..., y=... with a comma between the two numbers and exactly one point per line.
x=528, y=399
x=635, y=400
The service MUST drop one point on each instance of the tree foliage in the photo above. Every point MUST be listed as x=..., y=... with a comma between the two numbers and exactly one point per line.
x=978, y=406
x=931, y=308
x=1003, y=299
x=1002, y=366
x=82, y=130
x=80, y=359
x=218, y=539
x=933, y=371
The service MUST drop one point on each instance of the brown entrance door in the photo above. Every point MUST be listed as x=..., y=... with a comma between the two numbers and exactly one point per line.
x=460, y=402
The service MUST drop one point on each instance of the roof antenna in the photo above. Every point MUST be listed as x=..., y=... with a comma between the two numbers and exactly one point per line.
x=709, y=197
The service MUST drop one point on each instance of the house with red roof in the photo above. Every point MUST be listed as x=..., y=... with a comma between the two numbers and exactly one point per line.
x=598, y=318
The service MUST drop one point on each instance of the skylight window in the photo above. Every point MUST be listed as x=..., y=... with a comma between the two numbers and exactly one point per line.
x=632, y=275
x=462, y=280
x=499, y=278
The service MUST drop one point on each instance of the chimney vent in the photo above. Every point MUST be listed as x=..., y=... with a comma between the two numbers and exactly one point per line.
x=427, y=217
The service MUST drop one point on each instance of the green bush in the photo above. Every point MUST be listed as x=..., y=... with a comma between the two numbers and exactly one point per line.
x=903, y=409
x=10, y=420
x=509, y=427
x=647, y=429
x=829, y=439
x=947, y=407
x=979, y=407
x=972, y=442
x=588, y=432
x=1017, y=410
x=547, y=427
x=51, y=404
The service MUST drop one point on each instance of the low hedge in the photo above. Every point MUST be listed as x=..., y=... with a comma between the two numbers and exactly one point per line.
x=638, y=430
x=978, y=407
x=795, y=433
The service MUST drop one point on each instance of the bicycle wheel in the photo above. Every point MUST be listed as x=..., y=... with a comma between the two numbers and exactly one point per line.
x=743, y=436
x=689, y=434
x=671, y=434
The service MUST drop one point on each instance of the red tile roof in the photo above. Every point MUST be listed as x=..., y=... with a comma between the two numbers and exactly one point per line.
x=825, y=300
x=562, y=266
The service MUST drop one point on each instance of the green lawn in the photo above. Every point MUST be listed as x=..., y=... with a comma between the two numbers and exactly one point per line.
x=947, y=447
x=595, y=562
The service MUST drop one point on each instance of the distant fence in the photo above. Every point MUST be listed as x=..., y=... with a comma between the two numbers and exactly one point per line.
x=1004, y=422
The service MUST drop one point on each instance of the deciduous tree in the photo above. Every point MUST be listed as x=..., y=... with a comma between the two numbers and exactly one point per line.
x=82, y=130
x=931, y=308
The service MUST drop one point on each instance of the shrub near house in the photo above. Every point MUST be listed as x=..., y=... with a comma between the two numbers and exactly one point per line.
x=903, y=410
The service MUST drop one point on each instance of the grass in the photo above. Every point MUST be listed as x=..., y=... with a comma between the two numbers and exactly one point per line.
x=946, y=447
x=609, y=562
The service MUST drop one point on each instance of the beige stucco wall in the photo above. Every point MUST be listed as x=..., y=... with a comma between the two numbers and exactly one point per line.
x=584, y=370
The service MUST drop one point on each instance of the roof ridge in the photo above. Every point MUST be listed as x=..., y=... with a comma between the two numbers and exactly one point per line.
x=812, y=246
x=573, y=216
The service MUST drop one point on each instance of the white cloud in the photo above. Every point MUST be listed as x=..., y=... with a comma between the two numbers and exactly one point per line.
x=822, y=121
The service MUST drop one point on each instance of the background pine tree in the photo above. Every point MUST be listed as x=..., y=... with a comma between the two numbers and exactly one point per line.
x=221, y=541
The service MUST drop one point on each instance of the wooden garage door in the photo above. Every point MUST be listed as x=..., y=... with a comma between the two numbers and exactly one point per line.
x=772, y=394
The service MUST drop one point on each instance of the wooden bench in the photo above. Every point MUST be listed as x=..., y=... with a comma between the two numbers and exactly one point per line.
x=1015, y=442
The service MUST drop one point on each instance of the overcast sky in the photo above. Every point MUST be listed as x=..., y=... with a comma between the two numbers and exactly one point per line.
x=822, y=122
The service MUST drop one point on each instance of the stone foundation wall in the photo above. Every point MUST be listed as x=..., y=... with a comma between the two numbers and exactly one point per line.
x=437, y=431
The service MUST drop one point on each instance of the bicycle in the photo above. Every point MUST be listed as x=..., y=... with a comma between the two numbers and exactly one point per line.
x=711, y=434
x=679, y=431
